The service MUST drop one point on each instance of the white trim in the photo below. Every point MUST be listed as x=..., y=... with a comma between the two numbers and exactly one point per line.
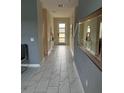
x=72, y=52
x=30, y=65
x=49, y=51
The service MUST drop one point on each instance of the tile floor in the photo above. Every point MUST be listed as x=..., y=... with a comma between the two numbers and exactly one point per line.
x=57, y=74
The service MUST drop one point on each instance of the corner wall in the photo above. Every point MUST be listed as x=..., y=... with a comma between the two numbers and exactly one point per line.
x=50, y=31
x=40, y=28
x=72, y=24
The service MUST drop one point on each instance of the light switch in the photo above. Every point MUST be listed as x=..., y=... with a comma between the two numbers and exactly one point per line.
x=32, y=39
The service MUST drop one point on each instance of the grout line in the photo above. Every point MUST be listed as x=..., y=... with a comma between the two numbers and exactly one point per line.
x=43, y=61
x=51, y=77
x=59, y=75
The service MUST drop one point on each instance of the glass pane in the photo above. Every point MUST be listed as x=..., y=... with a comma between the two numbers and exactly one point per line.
x=62, y=40
x=61, y=35
x=88, y=29
x=61, y=29
x=61, y=25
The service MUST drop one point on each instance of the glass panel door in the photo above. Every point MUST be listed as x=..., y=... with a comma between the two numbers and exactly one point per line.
x=62, y=33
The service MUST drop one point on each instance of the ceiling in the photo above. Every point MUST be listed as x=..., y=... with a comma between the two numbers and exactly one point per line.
x=60, y=8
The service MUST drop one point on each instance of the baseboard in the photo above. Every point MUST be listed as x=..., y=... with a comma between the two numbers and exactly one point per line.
x=50, y=51
x=72, y=52
x=30, y=65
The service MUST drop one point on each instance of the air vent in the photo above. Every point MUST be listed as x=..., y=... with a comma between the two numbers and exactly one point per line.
x=60, y=5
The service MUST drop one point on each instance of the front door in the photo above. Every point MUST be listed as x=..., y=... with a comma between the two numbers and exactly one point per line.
x=61, y=33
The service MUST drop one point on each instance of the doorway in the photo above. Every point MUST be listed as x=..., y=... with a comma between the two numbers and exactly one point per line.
x=61, y=33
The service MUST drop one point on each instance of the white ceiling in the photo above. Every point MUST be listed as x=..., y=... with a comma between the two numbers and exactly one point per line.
x=65, y=11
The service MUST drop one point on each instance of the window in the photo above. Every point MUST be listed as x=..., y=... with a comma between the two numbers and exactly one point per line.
x=61, y=29
x=61, y=25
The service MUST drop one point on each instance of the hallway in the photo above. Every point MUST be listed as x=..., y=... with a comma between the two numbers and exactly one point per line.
x=46, y=24
x=57, y=74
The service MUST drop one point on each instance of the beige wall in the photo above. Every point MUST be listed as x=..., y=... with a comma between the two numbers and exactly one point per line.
x=45, y=31
x=45, y=28
x=42, y=29
x=67, y=33
x=50, y=30
x=72, y=22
